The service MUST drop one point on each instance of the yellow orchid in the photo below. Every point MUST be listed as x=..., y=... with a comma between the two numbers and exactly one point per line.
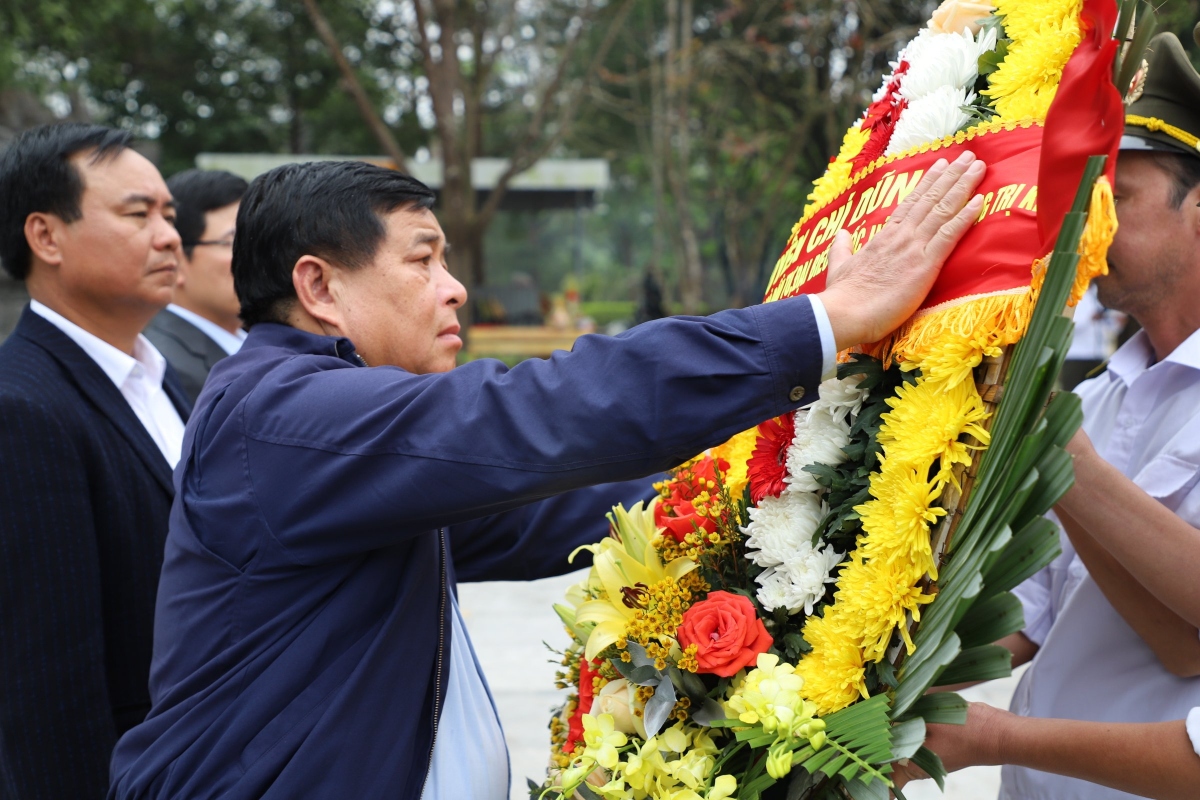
x=724, y=786
x=602, y=740
x=624, y=567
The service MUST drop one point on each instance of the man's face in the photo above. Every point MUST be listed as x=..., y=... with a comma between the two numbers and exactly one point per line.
x=401, y=309
x=1150, y=256
x=206, y=279
x=124, y=250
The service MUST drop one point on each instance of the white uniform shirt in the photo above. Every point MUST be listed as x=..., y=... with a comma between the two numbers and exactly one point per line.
x=1144, y=419
x=1096, y=329
x=138, y=377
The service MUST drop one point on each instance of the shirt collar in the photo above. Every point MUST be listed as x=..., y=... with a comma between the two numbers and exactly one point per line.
x=229, y=342
x=118, y=366
x=1136, y=356
x=270, y=334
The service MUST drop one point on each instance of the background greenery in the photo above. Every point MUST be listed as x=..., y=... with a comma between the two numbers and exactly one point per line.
x=715, y=115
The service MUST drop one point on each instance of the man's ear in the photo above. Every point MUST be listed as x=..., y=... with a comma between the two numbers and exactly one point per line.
x=44, y=233
x=312, y=278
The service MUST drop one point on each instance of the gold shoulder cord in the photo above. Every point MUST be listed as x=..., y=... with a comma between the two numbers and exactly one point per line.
x=1156, y=124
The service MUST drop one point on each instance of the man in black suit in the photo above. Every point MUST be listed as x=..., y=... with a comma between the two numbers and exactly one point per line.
x=202, y=326
x=89, y=434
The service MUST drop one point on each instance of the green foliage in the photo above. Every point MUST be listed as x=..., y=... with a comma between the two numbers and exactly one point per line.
x=1023, y=472
x=847, y=483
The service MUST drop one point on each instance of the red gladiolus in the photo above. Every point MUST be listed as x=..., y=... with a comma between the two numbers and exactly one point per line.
x=575, y=723
x=768, y=464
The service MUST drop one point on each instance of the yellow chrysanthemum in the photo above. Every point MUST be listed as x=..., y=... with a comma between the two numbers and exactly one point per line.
x=833, y=671
x=1044, y=33
x=898, y=520
x=837, y=176
x=881, y=595
x=926, y=421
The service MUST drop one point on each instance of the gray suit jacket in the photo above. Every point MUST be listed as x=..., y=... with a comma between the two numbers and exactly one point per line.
x=188, y=349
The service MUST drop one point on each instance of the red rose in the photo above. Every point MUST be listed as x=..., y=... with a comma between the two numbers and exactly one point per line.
x=726, y=631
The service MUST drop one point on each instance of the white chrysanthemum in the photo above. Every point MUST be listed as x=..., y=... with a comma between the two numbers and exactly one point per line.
x=800, y=581
x=820, y=437
x=937, y=60
x=781, y=526
x=842, y=396
x=930, y=118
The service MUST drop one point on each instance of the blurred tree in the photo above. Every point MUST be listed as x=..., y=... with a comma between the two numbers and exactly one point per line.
x=501, y=77
x=715, y=114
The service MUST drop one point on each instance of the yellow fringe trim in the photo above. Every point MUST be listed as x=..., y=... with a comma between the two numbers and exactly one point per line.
x=1093, y=245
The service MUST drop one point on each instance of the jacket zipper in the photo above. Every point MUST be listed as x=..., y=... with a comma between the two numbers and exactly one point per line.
x=437, y=681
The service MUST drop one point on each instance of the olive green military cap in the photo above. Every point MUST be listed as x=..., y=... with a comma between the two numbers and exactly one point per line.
x=1166, y=115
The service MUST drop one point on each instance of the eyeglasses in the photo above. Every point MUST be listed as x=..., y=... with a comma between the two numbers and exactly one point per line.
x=213, y=243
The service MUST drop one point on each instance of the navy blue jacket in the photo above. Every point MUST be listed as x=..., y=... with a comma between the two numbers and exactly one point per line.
x=301, y=638
x=84, y=499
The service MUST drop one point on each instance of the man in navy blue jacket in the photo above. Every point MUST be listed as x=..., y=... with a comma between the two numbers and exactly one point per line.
x=339, y=475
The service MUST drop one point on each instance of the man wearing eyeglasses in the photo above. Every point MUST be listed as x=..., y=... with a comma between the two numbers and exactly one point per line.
x=202, y=326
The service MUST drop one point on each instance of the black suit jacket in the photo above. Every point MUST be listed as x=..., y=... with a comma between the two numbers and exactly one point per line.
x=84, y=499
x=187, y=348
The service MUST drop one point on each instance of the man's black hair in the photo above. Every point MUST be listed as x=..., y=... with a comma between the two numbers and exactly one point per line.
x=36, y=175
x=1184, y=171
x=197, y=192
x=328, y=209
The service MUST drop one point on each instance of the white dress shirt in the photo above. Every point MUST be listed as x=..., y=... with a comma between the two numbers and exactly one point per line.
x=1144, y=419
x=470, y=757
x=829, y=349
x=229, y=342
x=138, y=377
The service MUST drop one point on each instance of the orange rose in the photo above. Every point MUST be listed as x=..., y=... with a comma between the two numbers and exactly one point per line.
x=726, y=631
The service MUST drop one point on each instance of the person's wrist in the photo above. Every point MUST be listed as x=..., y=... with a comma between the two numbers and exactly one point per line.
x=845, y=318
x=999, y=729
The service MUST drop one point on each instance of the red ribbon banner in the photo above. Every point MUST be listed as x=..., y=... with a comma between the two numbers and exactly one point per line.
x=994, y=256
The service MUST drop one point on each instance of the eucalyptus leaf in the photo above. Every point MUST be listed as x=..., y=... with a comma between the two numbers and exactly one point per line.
x=638, y=653
x=658, y=707
x=689, y=684
x=708, y=713
x=802, y=782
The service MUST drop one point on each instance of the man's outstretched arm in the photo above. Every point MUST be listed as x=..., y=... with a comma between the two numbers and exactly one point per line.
x=1155, y=760
x=483, y=439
